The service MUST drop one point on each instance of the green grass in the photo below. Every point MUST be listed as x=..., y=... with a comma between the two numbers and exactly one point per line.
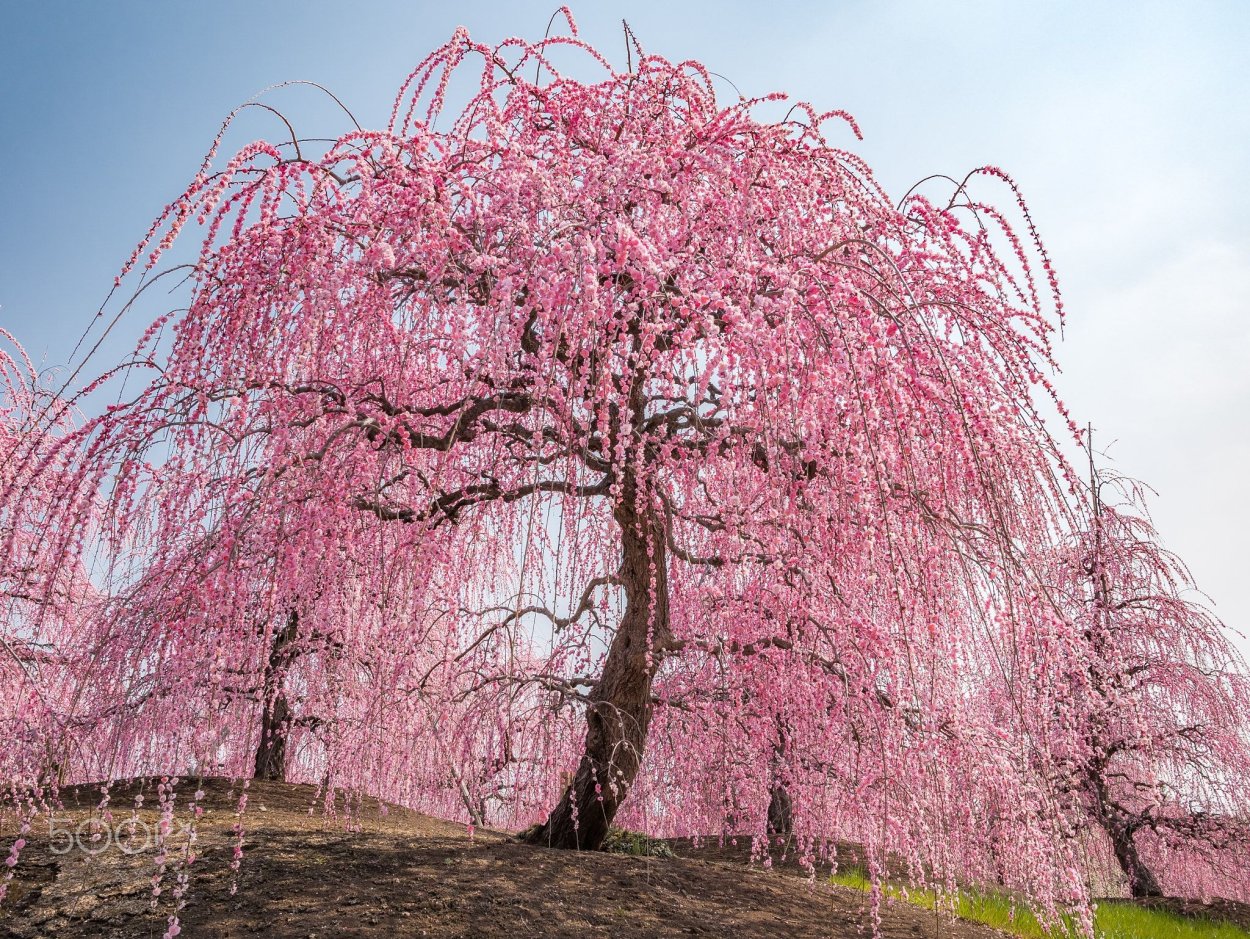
x=1125, y=921
x=1111, y=920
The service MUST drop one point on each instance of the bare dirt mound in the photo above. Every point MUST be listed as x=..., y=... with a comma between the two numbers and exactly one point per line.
x=391, y=872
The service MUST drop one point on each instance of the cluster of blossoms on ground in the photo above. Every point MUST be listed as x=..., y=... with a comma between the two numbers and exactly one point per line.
x=615, y=455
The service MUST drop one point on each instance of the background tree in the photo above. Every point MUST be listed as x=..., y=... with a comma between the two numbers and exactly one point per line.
x=1147, y=699
x=46, y=594
x=1170, y=693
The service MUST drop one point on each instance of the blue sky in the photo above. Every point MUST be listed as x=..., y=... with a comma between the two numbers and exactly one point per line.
x=1127, y=125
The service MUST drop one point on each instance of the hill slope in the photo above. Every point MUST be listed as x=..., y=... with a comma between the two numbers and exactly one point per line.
x=388, y=872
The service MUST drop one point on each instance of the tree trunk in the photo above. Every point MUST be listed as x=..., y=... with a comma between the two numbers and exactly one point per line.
x=275, y=717
x=619, y=712
x=780, y=805
x=780, y=811
x=1141, y=880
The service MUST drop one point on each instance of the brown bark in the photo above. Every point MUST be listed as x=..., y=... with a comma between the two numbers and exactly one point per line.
x=620, y=708
x=780, y=805
x=1116, y=822
x=780, y=811
x=1141, y=880
x=275, y=718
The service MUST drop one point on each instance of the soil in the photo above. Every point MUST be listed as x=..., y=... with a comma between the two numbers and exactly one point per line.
x=386, y=871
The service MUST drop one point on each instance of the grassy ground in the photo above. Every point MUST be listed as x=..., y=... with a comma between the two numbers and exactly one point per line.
x=1112, y=920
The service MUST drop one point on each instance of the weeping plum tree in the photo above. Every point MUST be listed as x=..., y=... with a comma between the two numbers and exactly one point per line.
x=1153, y=698
x=232, y=651
x=750, y=445
x=46, y=595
